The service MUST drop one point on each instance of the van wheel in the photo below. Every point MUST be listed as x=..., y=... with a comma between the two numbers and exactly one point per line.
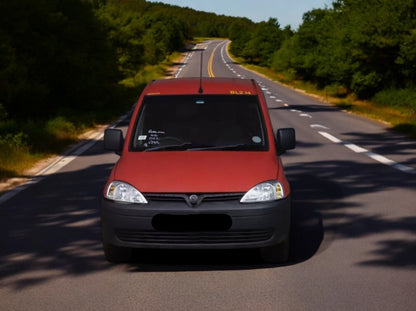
x=277, y=253
x=116, y=254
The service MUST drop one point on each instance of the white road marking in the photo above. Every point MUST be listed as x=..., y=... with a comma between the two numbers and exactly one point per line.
x=377, y=157
x=355, y=148
x=381, y=158
x=404, y=168
x=319, y=126
x=330, y=137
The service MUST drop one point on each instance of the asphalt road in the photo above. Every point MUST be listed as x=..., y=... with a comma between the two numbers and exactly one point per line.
x=353, y=236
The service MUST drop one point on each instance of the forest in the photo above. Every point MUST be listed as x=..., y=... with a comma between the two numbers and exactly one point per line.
x=63, y=62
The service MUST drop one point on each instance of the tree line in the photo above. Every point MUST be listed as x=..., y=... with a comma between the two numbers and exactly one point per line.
x=361, y=47
x=366, y=46
x=60, y=56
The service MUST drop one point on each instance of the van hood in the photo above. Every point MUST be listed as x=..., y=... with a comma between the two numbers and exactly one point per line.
x=195, y=171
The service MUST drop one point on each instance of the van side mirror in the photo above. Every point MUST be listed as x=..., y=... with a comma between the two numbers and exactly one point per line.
x=113, y=140
x=285, y=140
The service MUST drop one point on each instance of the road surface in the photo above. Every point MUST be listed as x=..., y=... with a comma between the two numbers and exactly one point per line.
x=353, y=228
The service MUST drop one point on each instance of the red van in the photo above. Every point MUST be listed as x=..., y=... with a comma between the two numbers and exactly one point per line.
x=199, y=168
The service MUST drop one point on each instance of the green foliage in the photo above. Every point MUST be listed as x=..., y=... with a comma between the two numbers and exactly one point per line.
x=264, y=40
x=366, y=46
x=60, y=128
x=56, y=57
x=3, y=113
x=13, y=148
x=145, y=33
x=403, y=99
x=13, y=159
x=336, y=90
x=364, y=85
x=63, y=57
x=239, y=33
x=407, y=55
x=257, y=42
x=17, y=140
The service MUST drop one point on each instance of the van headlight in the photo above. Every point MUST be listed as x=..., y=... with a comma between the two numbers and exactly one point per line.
x=123, y=192
x=266, y=191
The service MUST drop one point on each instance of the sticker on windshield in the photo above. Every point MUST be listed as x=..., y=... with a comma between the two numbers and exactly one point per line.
x=154, y=136
x=256, y=139
x=142, y=137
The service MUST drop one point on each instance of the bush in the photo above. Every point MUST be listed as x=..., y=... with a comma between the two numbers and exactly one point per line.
x=15, y=140
x=336, y=90
x=3, y=113
x=403, y=99
x=13, y=154
x=365, y=85
x=61, y=129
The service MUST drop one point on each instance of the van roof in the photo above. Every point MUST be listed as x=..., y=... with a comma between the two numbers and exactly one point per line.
x=181, y=86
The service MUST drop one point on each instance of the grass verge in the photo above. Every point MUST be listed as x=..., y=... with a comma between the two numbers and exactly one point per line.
x=22, y=144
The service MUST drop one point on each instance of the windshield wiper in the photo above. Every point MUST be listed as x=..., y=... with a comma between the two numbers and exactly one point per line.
x=173, y=147
x=192, y=147
x=227, y=147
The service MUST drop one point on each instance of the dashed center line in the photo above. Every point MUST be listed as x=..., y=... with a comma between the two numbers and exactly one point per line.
x=330, y=137
x=319, y=126
x=355, y=148
x=377, y=157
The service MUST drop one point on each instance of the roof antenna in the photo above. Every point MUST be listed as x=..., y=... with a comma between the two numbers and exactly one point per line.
x=200, y=75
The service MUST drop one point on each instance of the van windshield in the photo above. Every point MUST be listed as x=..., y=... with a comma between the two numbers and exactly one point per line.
x=199, y=122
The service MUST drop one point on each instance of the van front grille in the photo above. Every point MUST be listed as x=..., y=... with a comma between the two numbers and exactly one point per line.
x=202, y=237
x=192, y=199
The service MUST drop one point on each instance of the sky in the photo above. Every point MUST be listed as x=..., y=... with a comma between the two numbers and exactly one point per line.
x=287, y=12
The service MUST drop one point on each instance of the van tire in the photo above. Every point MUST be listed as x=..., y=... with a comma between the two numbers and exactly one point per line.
x=277, y=253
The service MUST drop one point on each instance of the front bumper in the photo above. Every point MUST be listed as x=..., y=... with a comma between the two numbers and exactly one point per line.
x=209, y=225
